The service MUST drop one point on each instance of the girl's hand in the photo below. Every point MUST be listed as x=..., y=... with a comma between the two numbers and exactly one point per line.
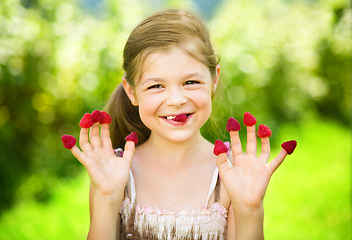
x=247, y=181
x=108, y=173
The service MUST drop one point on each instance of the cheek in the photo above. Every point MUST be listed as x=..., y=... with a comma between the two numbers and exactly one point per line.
x=147, y=108
x=203, y=101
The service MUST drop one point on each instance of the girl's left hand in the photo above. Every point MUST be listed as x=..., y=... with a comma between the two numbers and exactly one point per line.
x=246, y=182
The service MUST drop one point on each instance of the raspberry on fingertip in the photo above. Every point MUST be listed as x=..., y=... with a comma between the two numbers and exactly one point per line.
x=97, y=116
x=106, y=118
x=219, y=148
x=132, y=137
x=68, y=141
x=249, y=119
x=86, y=121
x=263, y=131
x=289, y=146
x=233, y=125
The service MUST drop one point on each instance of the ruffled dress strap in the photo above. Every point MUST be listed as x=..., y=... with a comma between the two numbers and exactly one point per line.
x=133, y=189
x=213, y=187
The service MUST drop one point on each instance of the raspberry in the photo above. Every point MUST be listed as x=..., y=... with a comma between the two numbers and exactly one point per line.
x=232, y=125
x=97, y=116
x=249, y=119
x=86, y=121
x=68, y=141
x=219, y=147
x=106, y=117
x=289, y=146
x=263, y=131
x=132, y=137
x=180, y=118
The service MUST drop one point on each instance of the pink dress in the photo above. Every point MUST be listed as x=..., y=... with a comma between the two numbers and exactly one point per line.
x=159, y=223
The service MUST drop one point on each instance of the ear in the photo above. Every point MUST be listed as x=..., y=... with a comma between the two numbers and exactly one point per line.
x=216, y=79
x=129, y=91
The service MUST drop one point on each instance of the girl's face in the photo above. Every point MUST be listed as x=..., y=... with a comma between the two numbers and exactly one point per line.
x=173, y=84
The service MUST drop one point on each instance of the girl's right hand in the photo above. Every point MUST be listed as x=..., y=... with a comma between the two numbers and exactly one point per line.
x=108, y=173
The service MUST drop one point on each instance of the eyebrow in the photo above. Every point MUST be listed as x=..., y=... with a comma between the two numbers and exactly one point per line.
x=187, y=76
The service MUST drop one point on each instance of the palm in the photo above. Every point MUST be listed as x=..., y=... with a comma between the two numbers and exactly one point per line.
x=247, y=181
x=108, y=173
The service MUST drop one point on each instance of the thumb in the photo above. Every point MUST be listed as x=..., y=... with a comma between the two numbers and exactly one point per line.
x=223, y=166
x=129, y=151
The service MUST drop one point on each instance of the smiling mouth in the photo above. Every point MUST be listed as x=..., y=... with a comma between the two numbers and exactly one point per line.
x=178, y=118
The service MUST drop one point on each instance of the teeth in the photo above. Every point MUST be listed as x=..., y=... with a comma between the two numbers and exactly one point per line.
x=171, y=117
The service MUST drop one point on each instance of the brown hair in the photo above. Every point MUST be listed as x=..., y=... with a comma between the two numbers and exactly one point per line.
x=159, y=32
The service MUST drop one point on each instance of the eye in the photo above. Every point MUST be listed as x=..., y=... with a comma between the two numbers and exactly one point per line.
x=155, y=86
x=191, y=82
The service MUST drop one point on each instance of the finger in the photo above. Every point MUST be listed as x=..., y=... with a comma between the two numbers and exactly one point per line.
x=94, y=136
x=223, y=166
x=251, y=141
x=105, y=136
x=265, y=154
x=276, y=162
x=129, y=151
x=81, y=157
x=235, y=143
x=83, y=140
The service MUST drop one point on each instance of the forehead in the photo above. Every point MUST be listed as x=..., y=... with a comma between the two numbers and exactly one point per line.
x=171, y=64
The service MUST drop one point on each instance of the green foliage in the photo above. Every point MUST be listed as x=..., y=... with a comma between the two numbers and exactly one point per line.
x=281, y=60
x=56, y=63
x=309, y=196
x=64, y=216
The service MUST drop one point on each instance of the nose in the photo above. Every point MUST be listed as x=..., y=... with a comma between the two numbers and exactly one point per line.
x=176, y=97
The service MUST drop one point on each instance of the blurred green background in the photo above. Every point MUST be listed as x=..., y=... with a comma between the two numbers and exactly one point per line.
x=286, y=62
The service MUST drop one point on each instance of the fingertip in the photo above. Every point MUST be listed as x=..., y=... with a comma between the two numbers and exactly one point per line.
x=84, y=130
x=265, y=140
x=251, y=128
x=283, y=153
x=130, y=146
x=75, y=149
x=76, y=152
x=95, y=125
x=105, y=125
x=129, y=150
x=234, y=134
x=222, y=157
x=276, y=162
x=221, y=162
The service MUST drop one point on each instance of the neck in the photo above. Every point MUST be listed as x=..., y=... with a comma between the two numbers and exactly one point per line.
x=173, y=154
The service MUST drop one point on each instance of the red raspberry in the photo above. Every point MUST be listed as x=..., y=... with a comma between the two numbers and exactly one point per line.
x=249, y=119
x=97, y=116
x=106, y=117
x=289, y=146
x=132, y=137
x=86, y=121
x=180, y=118
x=219, y=147
x=263, y=131
x=232, y=125
x=68, y=141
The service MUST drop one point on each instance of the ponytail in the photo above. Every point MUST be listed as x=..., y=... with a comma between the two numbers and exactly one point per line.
x=124, y=119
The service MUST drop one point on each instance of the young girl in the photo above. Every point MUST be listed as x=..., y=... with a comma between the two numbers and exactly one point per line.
x=171, y=185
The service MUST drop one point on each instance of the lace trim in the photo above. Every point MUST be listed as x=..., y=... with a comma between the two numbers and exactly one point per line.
x=215, y=207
